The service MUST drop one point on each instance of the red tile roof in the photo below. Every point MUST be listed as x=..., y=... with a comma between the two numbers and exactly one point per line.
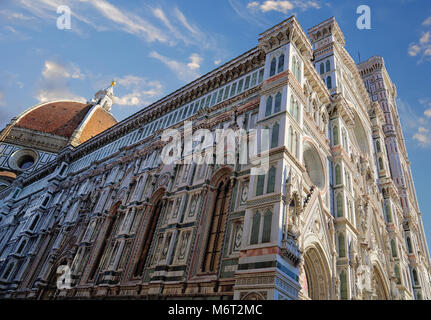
x=59, y=118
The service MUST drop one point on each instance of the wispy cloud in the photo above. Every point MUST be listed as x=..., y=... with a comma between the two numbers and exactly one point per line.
x=143, y=91
x=415, y=125
x=184, y=71
x=422, y=47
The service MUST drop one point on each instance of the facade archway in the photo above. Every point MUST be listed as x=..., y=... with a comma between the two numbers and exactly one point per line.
x=380, y=289
x=316, y=282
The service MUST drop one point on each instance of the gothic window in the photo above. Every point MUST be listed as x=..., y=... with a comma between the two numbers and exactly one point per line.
x=247, y=82
x=343, y=285
x=254, y=239
x=298, y=70
x=322, y=68
x=217, y=227
x=260, y=184
x=260, y=75
x=267, y=221
x=341, y=246
x=393, y=248
x=274, y=135
x=295, y=145
x=273, y=66
x=335, y=135
x=328, y=65
x=289, y=139
x=271, y=180
x=268, y=106
x=337, y=175
x=340, y=210
x=45, y=201
x=294, y=67
x=329, y=82
x=281, y=63
x=277, y=105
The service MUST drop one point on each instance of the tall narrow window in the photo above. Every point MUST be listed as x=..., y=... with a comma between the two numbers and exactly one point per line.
x=322, y=68
x=415, y=277
x=388, y=213
x=254, y=238
x=298, y=70
x=340, y=211
x=337, y=174
x=329, y=82
x=409, y=245
x=217, y=228
x=397, y=274
x=381, y=163
x=335, y=135
x=8, y=270
x=343, y=285
x=271, y=180
x=328, y=66
x=268, y=109
x=273, y=66
x=378, y=146
x=260, y=184
x=281, y=63
x=296, y=111
x=267, y=221
x=295, y=144
x=274, y=135
x=277, y=105
x=393, y=248
x=291, y=105
x=341, y=246
x=34, y=223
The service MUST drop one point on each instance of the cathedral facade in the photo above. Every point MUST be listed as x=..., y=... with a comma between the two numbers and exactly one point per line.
x=334, y=216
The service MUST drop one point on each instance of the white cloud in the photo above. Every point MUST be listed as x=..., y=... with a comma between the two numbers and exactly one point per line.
x=217, y=62
x=427, y=21
x=143, y=91
x=54, y=83
x=425, y=38
x=184, y=71
x=414, y=125
x=282, y=6
x=427, y=113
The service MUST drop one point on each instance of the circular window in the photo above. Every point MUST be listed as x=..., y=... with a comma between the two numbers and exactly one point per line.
x=314, y=166
x=23, y=159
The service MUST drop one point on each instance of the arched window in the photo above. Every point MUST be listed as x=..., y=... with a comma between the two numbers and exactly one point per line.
x=271, y=180
x=341, y=246
x=273, y=66
x=393, y=248
x=8, y=270
x=322, y=68
x=409, y=245
x=292, y=102
x=281, y=63
x=343, y=285
x=277, y=105
x=213, y=248
x=337, y=174
x=295, y=144
x=267, y=221
x=335, y=135
x=298, y=70
x=294, y=64
x=260, y=184
x=274, y=135
x=328, y=66
x=296, y=150
x=378, y=145
x=329, y=82
x=255, y=226
x=340, y=211
x=296, y=111
x=45, y=201
x=268, y=110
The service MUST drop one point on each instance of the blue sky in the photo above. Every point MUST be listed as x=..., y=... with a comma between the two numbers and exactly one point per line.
x=155, y=47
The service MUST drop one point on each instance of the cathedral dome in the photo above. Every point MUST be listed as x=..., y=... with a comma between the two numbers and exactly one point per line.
x=59, y=118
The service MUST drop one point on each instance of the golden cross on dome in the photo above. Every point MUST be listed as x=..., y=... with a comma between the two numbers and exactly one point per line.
x=113, y=83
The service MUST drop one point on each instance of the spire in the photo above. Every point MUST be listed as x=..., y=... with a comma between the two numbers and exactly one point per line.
x=105, y=97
